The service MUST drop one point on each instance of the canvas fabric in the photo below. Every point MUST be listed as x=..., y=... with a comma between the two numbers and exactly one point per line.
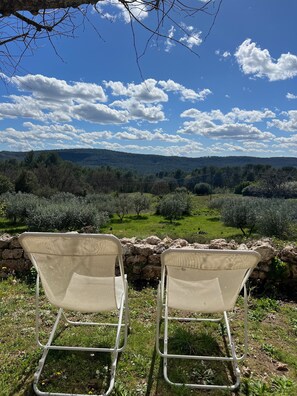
x=77, y=271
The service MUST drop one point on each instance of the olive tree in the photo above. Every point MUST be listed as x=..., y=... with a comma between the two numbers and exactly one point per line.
x=140, y=202
x=174, y=206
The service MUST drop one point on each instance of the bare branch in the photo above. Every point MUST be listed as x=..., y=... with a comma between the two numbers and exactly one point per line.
x=25, y=22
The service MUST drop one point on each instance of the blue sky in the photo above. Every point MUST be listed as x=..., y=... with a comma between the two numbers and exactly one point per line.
x=237, y=96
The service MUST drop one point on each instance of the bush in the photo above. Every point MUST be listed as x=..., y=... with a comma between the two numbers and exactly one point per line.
x=102, y=202
x=275, y=219
x=202, y=189
x=5, y=184
x=239, y=188
x=123, y=205
x=240, y=213
x=17, y=206
x=174, y=206
x=140, y=202
x=65, y=216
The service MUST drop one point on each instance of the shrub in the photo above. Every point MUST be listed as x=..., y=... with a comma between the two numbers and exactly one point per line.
x=240, y=213
x=123, y=205
x=5, y=184
x=174, y=206
x=140, y=202
x=202, y=189
x=102, y=202
x=239, y=188
x=65, y=216
x=17, y=206
x=275, y=219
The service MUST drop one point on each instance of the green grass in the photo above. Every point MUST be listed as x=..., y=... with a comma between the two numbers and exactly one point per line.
x=272, y=332
x=10, y=227
x=203, y=225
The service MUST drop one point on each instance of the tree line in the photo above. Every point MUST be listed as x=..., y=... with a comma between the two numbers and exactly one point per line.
x=45, y=174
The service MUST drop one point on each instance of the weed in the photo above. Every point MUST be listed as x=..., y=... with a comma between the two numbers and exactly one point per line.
x=261, y=307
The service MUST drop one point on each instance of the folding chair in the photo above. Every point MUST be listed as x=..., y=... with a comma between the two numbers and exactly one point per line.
x=203, y=281
x=77, y=272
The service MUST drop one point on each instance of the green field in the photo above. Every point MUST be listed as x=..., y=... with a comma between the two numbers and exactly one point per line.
x=203, y=225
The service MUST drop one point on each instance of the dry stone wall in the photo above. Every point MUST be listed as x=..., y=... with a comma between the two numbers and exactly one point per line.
x=142, y=257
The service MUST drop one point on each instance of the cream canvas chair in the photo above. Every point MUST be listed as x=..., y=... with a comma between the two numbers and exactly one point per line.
x=207, y=282
x=77, y=272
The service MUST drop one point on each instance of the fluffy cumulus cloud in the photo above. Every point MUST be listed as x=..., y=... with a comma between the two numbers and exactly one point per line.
x=185, y=93
x=147, y=91
x=138, y=111
x=259, y=63
x=289, y=144
x=99, y=113
x=49, y=113
x=50, y=88
x=138, y=134
x=113, y=10
x=235, y=125
x=288, y=123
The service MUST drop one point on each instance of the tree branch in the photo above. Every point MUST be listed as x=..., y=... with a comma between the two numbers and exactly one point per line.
x=8, y=7
x=29, y=21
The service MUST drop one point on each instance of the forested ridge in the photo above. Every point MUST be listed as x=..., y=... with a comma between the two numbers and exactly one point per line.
x=149, y=163
x=45, y=173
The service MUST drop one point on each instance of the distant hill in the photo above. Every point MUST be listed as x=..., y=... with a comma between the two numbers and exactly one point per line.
x=147, y=163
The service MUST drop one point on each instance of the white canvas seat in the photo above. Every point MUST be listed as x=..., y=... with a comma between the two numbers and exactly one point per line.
x=77, y=272
x=203, y=281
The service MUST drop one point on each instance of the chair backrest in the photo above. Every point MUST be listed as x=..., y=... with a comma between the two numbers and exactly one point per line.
x=74, y=267
x=205, y=280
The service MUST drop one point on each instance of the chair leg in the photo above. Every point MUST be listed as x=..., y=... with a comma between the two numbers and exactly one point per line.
x=166, y=356
x=115, y=350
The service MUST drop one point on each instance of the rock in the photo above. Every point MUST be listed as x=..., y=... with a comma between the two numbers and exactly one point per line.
x=289, y=254
x=282, y=367
x=200, y=246
x=219, y=244
x=154, y=259
x=265, y=249
x=151, y=272
x=178, y=243
x=152, y=240
x=5, y=240
x=12, y=254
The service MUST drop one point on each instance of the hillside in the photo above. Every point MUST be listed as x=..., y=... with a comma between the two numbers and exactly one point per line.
x=146, y=163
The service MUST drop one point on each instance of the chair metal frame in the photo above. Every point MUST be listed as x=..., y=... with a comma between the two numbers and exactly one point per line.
x=163, y=316
x=122, y=330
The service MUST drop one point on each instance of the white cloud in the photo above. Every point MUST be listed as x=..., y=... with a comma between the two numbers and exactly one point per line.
x=147, y=91
x=236, y=114
x=291, y=96
x=289, y=124
x=216, y=125
x=139, y=111
x=255, y=61
x=137, y=134
x=192, y=37
x=137, y=8
x=52, y=89
x=185, y=93
x=223, y=55
x=169, y=42
x=99, y=113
